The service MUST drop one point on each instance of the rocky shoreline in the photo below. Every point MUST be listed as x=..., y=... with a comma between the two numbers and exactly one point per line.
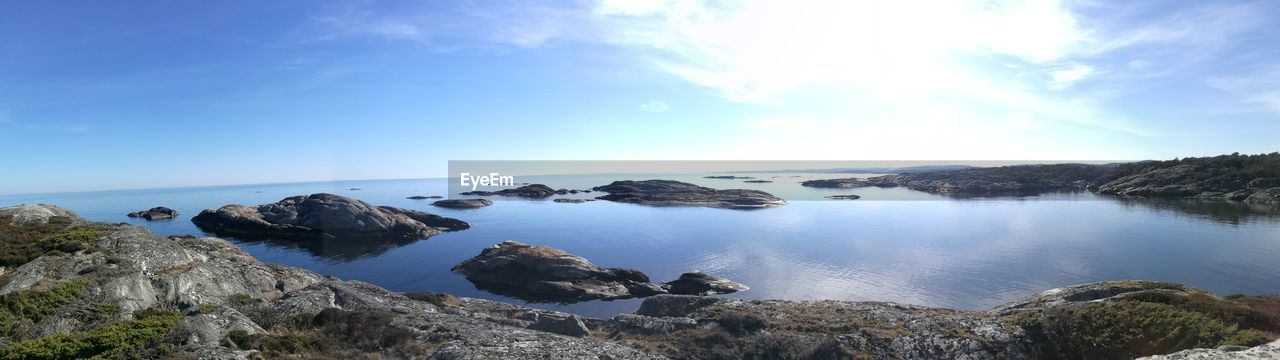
x=88, y=289
x=1246, y=178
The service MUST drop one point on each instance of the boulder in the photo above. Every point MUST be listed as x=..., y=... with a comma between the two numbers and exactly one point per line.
x=698, y=283
x=675, y=193
x=463, y=203
x=539, y=273
x=36, y=215
x=155, y=213
x=569, y=326
x=324, y=216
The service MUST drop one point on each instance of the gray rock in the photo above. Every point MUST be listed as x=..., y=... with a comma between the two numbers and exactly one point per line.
x=155, y=213
x=569, y=326
x=650, y=325
x=1269, y=351
x=1265, y=196
x=324, y=216
x=838, y=183
x=843, y=197
x=697, y=283
x=463, y=203
x=728, y=177
x=36, y=215
x=423, y=197
x=540, y=273
x=675, y=193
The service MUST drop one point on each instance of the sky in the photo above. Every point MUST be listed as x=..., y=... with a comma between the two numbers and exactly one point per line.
x=142, y=94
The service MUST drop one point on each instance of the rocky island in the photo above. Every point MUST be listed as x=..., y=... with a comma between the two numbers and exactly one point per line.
x=155, y=213
x=463, y=203
x=535, y=191
x=544, y=274
x=324, y=216
x=71, y=288
x=675, y=193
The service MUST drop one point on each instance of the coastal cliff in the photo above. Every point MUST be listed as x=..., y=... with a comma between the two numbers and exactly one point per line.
x=72, y=288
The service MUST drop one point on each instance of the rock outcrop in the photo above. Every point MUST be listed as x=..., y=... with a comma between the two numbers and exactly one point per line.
x=324, y=216
x=155, y=213
x=675, y=193
x=463, y=203
x=203, y=297
x=129, y=292
x=540, y=273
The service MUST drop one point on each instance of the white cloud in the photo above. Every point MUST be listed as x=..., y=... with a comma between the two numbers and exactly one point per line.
x=1260, y=87
x=655, y=106
x=1064, y=78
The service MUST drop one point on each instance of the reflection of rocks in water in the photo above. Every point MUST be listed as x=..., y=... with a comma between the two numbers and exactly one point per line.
x=1228, y=212
x=336, y=249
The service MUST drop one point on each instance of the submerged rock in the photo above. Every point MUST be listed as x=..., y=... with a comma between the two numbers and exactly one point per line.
x=697, y=283
x=541, y=273
x=155, y=213
x=463, y=203
x=324, y=216
x=675, y=193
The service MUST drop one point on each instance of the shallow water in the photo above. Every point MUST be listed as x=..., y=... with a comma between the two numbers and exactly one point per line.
x=934, y=251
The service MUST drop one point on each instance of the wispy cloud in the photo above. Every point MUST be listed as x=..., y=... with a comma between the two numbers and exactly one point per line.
x=1064, y=78
x=655, y=106
x=1259, y=86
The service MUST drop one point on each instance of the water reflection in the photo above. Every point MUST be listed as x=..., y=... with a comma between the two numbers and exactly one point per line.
x=332, y=250
x=1220, y=211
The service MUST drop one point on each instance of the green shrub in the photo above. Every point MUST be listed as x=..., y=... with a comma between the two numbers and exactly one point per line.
x=20, y=311
x=137, y=338
x=1143, y=324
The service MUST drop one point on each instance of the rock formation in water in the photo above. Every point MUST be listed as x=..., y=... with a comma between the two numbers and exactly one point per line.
x=71, y=288
x=727, y=177
x=324, y=216
x=543, y=273
x=463, y=203
x=843, y=197
x=675, y=193
x=698, y=283
x=424, y=197
x=155, y=213
x=534, y=191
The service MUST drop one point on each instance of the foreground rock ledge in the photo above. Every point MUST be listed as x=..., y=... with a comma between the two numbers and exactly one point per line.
x=675, y=193
x=324, y=216
x=189, y=297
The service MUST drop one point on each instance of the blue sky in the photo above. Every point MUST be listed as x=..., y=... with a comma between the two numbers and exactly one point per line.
x=137, y=94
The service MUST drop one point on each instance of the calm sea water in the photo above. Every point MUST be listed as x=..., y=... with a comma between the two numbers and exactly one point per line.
x=892, y=245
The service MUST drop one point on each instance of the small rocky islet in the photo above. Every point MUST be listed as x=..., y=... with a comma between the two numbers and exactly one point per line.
x=463, y=203
x=539, y=273
x=675, y=193
x=155, y=213
x=324, y=216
